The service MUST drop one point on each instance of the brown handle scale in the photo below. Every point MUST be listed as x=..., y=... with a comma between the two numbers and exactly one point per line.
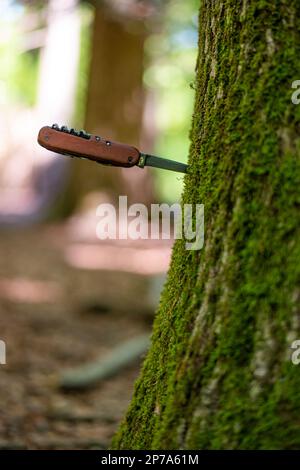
x=83, y=145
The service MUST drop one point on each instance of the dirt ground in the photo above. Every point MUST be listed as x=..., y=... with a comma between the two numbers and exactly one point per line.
x=55, y=315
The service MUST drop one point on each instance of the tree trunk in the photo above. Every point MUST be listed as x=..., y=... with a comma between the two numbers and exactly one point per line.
x=219, y=372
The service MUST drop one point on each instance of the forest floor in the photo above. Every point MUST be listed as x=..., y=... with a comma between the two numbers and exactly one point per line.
x=57, y=313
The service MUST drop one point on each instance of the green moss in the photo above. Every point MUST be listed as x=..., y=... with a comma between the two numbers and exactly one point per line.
x=218, y=374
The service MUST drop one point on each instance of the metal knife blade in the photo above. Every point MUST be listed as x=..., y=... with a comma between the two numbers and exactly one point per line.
x=164, y=163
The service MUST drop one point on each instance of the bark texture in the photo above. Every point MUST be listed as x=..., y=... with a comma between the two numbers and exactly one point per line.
x=219, y=373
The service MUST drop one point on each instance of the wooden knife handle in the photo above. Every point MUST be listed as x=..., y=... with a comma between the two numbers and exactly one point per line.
x=83, y=145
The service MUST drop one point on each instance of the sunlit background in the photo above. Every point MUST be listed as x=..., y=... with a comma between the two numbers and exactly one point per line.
x=123, y=69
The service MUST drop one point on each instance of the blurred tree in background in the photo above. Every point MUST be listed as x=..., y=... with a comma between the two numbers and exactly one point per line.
x=115, y=99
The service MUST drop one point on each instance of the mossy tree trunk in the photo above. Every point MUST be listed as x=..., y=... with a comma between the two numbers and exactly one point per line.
x=219, y=371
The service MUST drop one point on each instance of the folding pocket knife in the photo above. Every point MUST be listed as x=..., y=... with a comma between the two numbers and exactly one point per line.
x=80, y=144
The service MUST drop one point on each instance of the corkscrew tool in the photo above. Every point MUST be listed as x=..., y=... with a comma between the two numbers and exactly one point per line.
x=80, y=144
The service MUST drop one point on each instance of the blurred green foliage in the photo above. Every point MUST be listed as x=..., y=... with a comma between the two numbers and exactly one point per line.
x=18, y=68
x=171, y=56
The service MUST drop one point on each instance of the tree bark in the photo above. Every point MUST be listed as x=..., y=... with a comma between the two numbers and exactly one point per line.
x=219, y=373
